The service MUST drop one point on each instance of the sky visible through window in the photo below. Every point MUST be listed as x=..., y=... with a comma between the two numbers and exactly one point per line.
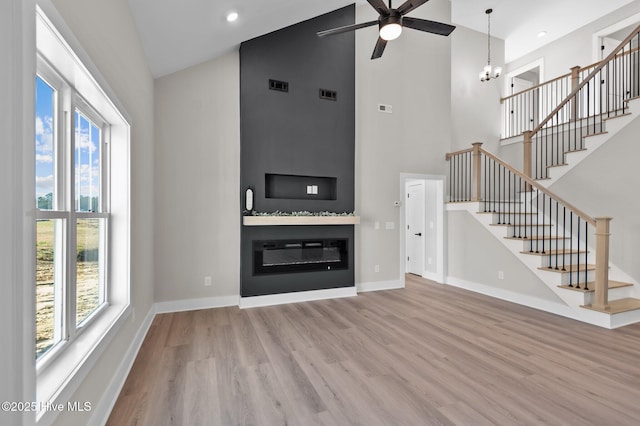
x=87, y=161
x=87, y=154
x=45, y=154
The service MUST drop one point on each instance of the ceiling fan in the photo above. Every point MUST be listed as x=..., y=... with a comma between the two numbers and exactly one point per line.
x=390, y=23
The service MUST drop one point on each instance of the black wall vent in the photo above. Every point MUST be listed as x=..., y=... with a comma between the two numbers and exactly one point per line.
x=330, y=95
x=280, y=86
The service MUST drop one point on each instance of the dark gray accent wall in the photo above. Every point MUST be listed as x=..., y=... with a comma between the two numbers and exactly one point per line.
x=293, y=138
x=296, y=132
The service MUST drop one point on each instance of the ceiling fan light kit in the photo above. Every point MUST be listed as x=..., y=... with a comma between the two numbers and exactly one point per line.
x=391, y=26
x=390, y=23
x=489, y=72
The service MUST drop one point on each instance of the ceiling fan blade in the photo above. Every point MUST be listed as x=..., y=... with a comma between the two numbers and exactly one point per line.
x=379, y=6
x=409, y=5
x=346, y=28
x=379, y=49
x=428, y=26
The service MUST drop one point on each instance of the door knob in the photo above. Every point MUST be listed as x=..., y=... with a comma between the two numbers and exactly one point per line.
x=419, y=234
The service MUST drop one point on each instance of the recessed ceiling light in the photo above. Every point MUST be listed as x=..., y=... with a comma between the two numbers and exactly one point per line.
x=542, y=34
x=232, y=16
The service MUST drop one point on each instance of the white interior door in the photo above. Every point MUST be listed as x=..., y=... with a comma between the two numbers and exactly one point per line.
x=415, y=233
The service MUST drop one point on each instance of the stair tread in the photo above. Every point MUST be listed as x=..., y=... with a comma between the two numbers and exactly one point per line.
x=570, y=268
x=617, y=306
x=616, y=116
x=538, y=238
x=595, y=134
x=522, y=225
x=591, y=286
x=528, y=213
x=554, y=252
x=557, y=165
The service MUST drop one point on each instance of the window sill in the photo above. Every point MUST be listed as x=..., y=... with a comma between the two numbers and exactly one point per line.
x=60, y=378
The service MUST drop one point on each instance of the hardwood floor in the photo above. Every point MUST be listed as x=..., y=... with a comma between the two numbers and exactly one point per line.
x=425, y=355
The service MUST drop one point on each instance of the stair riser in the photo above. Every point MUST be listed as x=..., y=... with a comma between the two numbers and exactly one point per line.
x=528, y=230
x=499, y=218
x=547, y=244
x=560, y=260
x=578, y=277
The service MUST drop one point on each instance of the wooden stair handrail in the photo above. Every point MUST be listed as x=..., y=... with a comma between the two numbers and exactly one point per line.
x=529, y=181
x=537, y=86
x=584, y=82
x=580, y=69
x=453, y=154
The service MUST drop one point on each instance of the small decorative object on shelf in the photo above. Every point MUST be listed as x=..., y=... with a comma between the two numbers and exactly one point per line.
x=300, y=218
x=248, y=199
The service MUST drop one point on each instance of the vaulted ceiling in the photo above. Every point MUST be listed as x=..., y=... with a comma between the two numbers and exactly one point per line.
x=179, y=34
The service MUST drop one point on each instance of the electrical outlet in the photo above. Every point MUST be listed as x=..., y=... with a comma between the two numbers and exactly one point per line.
x=501, y=275
x=376, y=225
x=207, y=281
x=377, y=268
x=429, y=261
x=390, y=225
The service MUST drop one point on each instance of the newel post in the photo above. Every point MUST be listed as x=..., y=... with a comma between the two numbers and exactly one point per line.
x=575, y=80
x=526, y=145
x=601, y=297
x=477, y=172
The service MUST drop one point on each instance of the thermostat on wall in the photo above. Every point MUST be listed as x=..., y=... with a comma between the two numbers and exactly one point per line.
x=385, y=108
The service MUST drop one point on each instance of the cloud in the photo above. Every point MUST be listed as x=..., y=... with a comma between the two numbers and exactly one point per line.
x=44, y=134
x=44, y=158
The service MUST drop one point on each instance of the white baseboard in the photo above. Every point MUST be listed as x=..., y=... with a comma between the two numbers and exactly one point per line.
x=380, y=285
x=511, y=296
x=103, y=409
x=195, y=304
x=299, y=296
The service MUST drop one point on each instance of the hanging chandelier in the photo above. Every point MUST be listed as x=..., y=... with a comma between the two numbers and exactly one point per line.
x=488, y=72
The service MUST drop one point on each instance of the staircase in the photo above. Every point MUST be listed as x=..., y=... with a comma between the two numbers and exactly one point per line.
x=567, y=249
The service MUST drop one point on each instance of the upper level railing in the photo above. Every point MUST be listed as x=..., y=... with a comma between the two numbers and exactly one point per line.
x=523, y=110
x=527, y=109
x=550, y=225
x=601, y=95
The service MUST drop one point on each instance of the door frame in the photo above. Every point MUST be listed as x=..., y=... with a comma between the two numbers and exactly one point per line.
x=634, y=19
x=441, y=230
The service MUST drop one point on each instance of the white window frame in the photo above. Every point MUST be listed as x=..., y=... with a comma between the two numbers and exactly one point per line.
x=68, y=101
x=64, y=369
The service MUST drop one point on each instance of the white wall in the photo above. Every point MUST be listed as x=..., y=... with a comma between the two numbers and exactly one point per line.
x=475, y=106
x=413, y=76
x=107, y=33
x=198, y=181
x=605, y=184
x=574, y=49
x=476, y=256
x=17, y=331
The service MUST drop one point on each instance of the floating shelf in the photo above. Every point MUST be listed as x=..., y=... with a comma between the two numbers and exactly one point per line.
x=299, y=220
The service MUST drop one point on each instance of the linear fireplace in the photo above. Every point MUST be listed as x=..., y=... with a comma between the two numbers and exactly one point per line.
x=286, y=259
x=290, y=256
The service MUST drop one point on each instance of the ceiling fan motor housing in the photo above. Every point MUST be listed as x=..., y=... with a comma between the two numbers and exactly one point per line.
x=394, y=17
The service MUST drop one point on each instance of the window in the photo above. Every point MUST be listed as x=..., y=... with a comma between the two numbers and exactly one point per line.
x=73, y=215
x=82, y=196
